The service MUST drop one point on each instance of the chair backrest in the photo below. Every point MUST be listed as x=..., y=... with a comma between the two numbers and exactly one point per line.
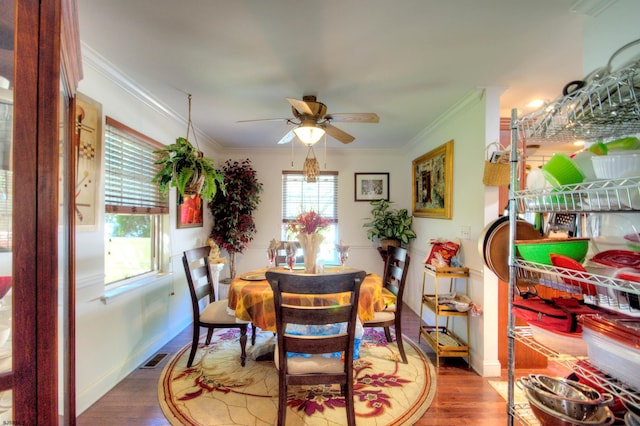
x=198, y=271
x=281, y=254
x=332, y=313
x=395, y=272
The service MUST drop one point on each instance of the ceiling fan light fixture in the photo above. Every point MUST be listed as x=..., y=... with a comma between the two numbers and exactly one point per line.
x=308, y=134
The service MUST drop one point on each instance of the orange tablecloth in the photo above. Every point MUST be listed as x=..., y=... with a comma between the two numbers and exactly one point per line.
x=253, y=301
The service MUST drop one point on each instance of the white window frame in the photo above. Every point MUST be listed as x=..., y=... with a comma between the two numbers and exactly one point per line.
x=132, y=162
x=312, y=195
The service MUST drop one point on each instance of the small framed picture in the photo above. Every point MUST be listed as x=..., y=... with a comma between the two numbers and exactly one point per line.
x=190, y=212
x=371, y=186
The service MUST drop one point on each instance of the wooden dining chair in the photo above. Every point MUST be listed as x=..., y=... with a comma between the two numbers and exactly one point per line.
x=214, y=314
x=393, y=280
x=315, y=369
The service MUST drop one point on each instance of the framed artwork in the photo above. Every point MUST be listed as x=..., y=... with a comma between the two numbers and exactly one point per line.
x=88, y=152
x=190, y=212
x=371, y=186
x=433, y=183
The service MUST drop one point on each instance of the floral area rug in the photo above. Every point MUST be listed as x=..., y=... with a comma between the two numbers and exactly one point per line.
x=217, y=390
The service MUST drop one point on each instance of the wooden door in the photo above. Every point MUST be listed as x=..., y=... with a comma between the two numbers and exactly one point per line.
x=31, y=58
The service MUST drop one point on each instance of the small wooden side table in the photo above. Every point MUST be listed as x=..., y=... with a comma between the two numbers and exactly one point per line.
x=442, y=339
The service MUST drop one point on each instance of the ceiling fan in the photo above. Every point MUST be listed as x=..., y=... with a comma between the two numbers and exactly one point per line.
x=312, y=121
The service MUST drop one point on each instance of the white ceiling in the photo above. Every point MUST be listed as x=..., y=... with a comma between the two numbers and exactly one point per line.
x=409, y=61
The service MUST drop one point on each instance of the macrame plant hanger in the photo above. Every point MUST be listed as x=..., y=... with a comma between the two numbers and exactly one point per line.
x=190, y=126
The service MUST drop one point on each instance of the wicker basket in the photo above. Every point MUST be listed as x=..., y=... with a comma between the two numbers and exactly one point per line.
x=496, y=173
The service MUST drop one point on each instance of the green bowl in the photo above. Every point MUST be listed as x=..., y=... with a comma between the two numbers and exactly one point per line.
x=561, y=170
x=538, y=251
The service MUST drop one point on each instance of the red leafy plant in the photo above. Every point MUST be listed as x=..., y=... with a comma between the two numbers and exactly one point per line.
x=233, y=210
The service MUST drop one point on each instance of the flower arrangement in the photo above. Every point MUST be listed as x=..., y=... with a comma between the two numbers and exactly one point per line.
x=308, y=223
x=307, y=226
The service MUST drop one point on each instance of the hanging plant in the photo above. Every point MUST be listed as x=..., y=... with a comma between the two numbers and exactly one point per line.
x=186, y=168
x=233, y=222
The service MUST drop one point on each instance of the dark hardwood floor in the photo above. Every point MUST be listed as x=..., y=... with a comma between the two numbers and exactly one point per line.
x=462, y=396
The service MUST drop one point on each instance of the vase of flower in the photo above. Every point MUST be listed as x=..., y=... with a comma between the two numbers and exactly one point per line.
x=307, y=227
x=310, y=246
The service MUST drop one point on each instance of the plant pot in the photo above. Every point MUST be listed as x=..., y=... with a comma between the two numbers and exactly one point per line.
x=195, y=185
x=386, y=243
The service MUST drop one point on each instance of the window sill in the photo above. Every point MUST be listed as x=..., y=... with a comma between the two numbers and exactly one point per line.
x=110, y=295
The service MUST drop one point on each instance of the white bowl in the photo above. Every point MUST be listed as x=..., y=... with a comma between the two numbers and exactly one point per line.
x=617, y=165
x=584, y=163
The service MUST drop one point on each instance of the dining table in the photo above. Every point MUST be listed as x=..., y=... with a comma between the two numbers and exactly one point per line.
x=251, y=298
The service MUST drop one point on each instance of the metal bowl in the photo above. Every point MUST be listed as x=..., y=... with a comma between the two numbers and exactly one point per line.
x=567, y=388
x=577, y=409
x=550, y=417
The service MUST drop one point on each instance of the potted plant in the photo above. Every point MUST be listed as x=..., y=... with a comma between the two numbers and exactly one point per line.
x=390, y=226
x=232, y=210
x=184, y=167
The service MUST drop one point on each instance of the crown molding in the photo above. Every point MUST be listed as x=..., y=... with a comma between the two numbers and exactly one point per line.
x=99, y=63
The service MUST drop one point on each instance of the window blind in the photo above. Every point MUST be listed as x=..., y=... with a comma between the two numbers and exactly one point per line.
x=129, y=164
x=299, y=196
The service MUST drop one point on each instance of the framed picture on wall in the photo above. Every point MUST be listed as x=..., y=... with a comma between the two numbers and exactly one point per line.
x=88, y=150
x=433, y=183
x=371, y=186
x=190, y=212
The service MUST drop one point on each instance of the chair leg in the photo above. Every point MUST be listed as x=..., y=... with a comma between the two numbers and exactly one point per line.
x=209, y=335
x=243, y=344
x=348, y=403
x=253, y=334
x=387, y=333
x=399, y=341
x=194, y=343
x=282, y=400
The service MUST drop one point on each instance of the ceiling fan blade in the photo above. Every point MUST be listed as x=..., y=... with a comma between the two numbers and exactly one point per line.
x=263, y=119
x=356, y=117
x=287, y=138
x=301, y=106
x=338, y=134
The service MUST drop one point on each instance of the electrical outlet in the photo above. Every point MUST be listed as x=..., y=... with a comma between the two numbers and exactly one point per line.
x=465, y=232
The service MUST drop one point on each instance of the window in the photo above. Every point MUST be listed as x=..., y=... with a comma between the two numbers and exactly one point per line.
x=321, y=196
x=135, y=212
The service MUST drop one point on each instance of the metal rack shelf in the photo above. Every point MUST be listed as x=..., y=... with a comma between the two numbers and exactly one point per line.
x=523, y=413
x=596, y=196
x=569, y=280
x=604, y=109
x=580, y=365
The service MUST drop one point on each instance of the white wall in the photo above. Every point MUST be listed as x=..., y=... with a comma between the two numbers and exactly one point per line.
x=607, y=32
x=269, y=164
x=468, y=125
x=115, y=338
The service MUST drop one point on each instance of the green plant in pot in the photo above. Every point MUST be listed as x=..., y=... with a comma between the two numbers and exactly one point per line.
x=183, y=166
x=233, y=222
x=390, y=226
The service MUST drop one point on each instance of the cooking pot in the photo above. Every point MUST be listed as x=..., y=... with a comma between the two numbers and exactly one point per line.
x=493, y=244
